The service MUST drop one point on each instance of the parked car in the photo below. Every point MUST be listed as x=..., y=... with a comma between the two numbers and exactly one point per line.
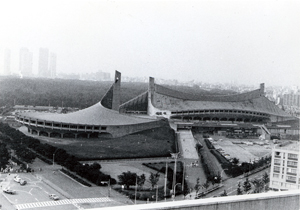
x=17, y=179
x=23, y=182
x=53, y=197
x=9, y=191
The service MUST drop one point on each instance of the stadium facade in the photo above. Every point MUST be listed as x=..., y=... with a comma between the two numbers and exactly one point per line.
x=151, y=109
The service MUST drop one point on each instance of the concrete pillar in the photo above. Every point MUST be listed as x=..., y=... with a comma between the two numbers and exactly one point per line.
x=62, y=135
x=88, y=135
x=116, y=92
x=76, y=135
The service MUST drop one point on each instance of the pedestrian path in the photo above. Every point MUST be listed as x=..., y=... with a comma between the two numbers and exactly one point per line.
x=187, y=145
x=62, y=202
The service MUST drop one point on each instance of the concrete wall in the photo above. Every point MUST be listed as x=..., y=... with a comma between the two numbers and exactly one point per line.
x=288, y=200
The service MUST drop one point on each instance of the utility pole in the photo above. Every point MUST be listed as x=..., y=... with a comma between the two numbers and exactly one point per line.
x=135, y=190
x=183, y=171
x=166, y=177
x=108, y=188
x=175, y=156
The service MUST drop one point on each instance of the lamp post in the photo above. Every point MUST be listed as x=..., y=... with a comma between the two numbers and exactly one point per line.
x=54, y=155
x=156, y=193
x=222, y=173
x=175, y=156
x=175, y=191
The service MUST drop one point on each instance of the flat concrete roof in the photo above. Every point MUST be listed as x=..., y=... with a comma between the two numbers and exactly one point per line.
x=291, y=145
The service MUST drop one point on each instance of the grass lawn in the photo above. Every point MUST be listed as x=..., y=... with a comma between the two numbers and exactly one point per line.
x=157, y=142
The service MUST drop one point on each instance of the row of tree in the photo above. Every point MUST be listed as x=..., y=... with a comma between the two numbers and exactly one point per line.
x=73, y=93
x=260, y=185
x=232, y=168
x=132, y=179
x=27, y=148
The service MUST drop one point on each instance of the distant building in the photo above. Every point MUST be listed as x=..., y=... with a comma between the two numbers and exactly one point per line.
x=285, y=167
x=43, y=70
x=291, y=99
x=52, y=65
x=97, y=76
x=25, y=62
x=6, y=62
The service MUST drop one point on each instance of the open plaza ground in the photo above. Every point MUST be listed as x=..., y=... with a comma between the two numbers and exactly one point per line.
x=243, y=149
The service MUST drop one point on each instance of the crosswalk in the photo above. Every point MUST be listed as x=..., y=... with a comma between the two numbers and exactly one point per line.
x=62, y=202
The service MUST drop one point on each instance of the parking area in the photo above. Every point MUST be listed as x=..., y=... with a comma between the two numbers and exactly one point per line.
x=243, y=149
x=47, y=179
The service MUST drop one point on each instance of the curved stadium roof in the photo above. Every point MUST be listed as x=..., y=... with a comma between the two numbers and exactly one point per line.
x=250, y=101
x=93, y=115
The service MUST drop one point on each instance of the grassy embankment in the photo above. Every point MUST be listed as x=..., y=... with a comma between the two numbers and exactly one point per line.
x=157, y=142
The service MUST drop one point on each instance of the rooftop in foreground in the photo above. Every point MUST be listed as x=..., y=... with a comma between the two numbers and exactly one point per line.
x=294, y=146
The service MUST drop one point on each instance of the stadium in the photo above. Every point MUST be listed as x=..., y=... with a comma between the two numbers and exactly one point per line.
x=154, y=108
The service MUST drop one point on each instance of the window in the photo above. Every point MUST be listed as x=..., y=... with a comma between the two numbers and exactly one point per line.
x=291, y=170
x=276, y=175
x=276, y=168
x=277, y=161
x=291, y=178
x=293, y=156
x=292, y=163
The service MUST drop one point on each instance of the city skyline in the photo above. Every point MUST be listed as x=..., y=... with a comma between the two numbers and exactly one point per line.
x=242, y=42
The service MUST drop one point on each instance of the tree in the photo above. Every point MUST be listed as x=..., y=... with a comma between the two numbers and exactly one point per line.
x=141, y=180
x=265, y=178
x=154, y=179
x=24, y=154
x=235, y=161
x=128, y=179
x=198, y=186
x=247, y=185
x=95, y=166
x=239, y=190
x=206, y=185
x=4, y=155
x=224, y=193
x=258, y=184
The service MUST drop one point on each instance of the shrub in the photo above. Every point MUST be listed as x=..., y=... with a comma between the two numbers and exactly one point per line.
x=209, y=144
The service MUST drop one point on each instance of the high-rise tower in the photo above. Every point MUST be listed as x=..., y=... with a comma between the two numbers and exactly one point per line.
x=43, y=70
x=6, y=62
x=25, y=63
x=52, y=65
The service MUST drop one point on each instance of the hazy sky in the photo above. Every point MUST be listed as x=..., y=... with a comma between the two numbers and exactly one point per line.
x=211, y=41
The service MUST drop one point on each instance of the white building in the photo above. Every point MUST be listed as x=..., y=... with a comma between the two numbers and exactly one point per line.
x=285, y=167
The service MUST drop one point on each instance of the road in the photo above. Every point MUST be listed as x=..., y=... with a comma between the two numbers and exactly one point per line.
x=231, y=184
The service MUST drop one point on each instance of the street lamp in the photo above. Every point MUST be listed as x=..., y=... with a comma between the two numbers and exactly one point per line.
x=175, y=156
x=222, y=173
x=54, y=155
x=156, y=193
x=175, y=191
